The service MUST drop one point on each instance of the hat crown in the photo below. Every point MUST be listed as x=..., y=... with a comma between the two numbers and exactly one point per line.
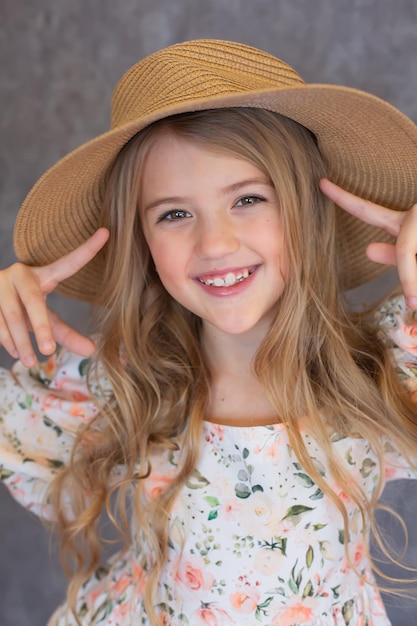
x=195, y=71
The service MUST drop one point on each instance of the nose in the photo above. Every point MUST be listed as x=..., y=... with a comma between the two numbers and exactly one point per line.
x=217, y=237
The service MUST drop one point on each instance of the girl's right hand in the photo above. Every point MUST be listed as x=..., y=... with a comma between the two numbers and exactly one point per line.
x=23, y=307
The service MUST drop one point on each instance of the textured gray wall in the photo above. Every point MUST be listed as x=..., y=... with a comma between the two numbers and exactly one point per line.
x=60, y=61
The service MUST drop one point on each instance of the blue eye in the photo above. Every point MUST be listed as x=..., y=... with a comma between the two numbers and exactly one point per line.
x=248, y=200
x=174, y=215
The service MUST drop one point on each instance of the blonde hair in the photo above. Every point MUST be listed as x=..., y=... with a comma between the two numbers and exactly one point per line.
x=319, y=359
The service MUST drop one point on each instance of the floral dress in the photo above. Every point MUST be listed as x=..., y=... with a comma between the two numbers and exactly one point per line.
x=252, y=538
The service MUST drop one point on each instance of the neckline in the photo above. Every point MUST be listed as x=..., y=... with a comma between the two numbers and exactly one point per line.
x=267, y=424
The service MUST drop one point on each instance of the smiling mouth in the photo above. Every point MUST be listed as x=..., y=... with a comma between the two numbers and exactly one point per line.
x=229, y=280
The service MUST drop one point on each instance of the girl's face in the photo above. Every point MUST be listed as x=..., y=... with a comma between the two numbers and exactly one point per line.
x=212, y=224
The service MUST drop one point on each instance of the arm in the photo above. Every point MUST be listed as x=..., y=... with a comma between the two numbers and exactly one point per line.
x=41, y=412
x=396, y=318
x=41, y=408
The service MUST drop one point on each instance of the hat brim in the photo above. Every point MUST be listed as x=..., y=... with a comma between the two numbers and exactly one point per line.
x=368, y=146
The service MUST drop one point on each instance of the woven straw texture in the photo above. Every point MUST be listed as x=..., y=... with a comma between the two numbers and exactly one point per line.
x=369, y=148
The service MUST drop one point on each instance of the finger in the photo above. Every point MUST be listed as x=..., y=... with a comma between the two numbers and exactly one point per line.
x=70, y=338
x=25, y=309
x=65, y=267
x=13, y=312
x=405, y=251
x=383, y=253
x=366, y=211
x=18, y=329
x=6, y=339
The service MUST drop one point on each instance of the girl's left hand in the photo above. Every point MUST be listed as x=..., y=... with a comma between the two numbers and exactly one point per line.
x=399, y=224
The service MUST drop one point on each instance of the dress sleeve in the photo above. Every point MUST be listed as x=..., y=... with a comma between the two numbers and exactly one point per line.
x=41, y=411
x=398, y=326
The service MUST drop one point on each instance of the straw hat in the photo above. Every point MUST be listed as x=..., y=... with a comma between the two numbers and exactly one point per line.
x=369, y=147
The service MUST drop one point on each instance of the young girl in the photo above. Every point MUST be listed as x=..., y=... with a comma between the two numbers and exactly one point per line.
x=234, y=419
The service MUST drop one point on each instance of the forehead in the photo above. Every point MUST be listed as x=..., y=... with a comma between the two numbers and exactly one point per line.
x=173, y=156
x=171, y=149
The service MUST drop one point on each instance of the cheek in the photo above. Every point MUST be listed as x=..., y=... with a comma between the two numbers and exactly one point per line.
x=160, y=255
x=168, y=264
x=276, y=249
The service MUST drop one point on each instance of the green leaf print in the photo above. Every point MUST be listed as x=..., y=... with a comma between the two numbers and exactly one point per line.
x=261, y=608
x=242, y=491
x=304, y=479
x=349, y=457
x=212, y=515
x=292, y=585
x=245, y=453
x=50, y=424
x=309, y=556
x=347, y=611
x=242, y=475
x=101, y=572
x=83, y=610
x=55, y=463
x=336, y=592
x=27, y=402
x=265, y=604
x=212, y=500
x=308, y=590
x=256, y=488
x=367, y=467
x=197, y=481
x=317, y=495
x=4, y=473
x=296, y=510
x=83, y=367
x=277, y=543
x=295, y=581
x=326, y=549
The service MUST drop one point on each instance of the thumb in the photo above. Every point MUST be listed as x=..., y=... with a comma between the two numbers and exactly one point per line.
x=383, y=253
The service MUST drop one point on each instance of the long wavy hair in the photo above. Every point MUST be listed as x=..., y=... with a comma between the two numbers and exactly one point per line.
x=319, y=359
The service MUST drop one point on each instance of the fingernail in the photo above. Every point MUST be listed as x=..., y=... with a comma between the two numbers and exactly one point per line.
x=29, y=361
x=47, y=346
x=412, y=302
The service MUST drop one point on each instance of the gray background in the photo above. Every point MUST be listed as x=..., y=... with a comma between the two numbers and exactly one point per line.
x=60, y=61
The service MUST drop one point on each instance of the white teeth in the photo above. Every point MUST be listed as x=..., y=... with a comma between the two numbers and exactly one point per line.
x=229, y=280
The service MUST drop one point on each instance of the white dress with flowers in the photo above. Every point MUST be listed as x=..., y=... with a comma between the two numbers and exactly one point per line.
x=252, y=539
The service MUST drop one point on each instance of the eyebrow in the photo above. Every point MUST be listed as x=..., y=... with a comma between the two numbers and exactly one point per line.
x=225, y=191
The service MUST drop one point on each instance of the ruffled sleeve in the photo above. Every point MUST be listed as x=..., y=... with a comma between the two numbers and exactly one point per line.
x=398, y=326
x=41, y=411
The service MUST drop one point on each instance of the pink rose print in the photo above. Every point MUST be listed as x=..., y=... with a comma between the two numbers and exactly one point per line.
x=245, y=601
x=297, y=611
x=192, y=574
x=210, y=615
